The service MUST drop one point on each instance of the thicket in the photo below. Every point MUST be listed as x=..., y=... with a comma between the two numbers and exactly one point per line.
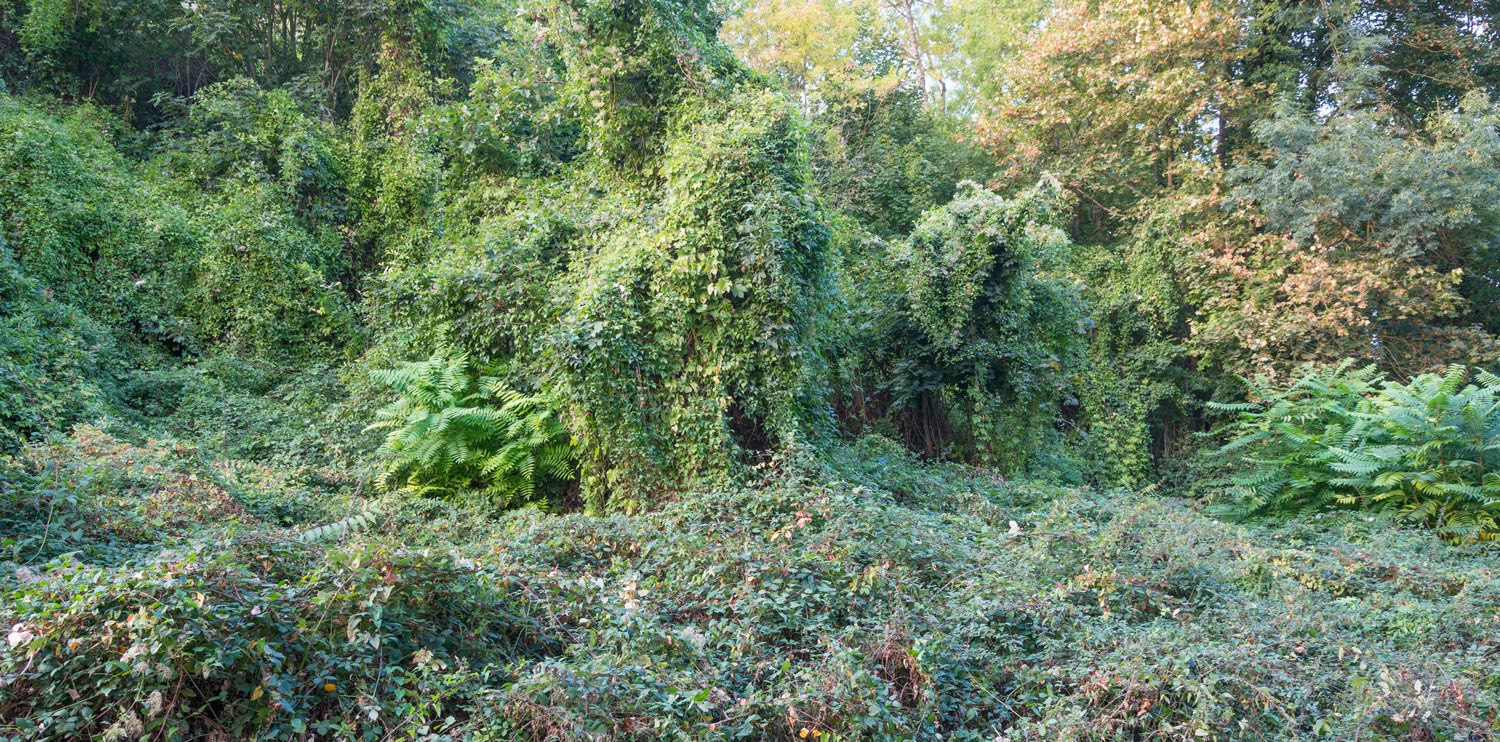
x=869, y=596
x=610, y=210
x=597, y=369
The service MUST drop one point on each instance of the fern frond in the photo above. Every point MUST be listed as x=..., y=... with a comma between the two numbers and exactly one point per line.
x=448, y=430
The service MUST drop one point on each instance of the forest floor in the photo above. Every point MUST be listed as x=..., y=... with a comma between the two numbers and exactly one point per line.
x=154, y=591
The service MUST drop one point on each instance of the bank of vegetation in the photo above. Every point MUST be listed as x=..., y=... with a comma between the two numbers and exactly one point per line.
x=834, y=370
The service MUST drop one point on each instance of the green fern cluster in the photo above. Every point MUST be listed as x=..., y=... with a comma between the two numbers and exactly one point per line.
x=1427, y=451
x=1286, y=441
x=452, y=432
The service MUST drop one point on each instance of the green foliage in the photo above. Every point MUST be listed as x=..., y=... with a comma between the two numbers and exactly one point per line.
x=1289, y=435
x=1424, y=450
x=972, y=337
x=1364, y=228
x=236, y=130
x=393, y=174
x=263, y=283
x=86, y=225
x=250, y=265
x=451, y=432
x=694, y=277
x=1421, y=188
x=886, y=160
x=490, y=289
x=511, y=122
x=1430, y=453
x=1138, y=395
x=268, y=277
x=139, y=55
x=689, y=345
x=251, y=410
x=225, y=637
x=871, y=597
x=632, y=65
x=658, y=262
x=49, y=376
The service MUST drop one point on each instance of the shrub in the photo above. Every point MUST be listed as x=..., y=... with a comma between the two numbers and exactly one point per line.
x=226, y=242
x=968, y=340
x=1427, y=450
x=50, y=353
x=451, y=432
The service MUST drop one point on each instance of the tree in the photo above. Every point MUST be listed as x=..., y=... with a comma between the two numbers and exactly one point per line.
x=962, y=335
x=1359, y=237
x=1122, y=101
x=820, y=51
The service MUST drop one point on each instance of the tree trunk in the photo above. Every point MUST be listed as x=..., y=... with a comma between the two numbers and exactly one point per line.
x=907, y=9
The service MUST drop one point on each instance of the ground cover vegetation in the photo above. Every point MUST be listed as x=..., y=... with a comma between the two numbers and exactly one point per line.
x=776, y=369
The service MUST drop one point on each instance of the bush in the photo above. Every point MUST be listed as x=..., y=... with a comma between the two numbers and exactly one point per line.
x=106, y=501
x=968, y=339
x=1425, y=450
x=251, y=410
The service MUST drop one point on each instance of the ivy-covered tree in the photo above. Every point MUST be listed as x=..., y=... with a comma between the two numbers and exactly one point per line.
x=689, y=347
x=968, y=340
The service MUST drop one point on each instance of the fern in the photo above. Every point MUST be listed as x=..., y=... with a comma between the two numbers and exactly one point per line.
x=351, y=524
x=450, y=432
x=1427, y=451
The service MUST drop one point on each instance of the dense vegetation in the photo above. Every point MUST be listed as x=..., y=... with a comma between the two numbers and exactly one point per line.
x=780, y=369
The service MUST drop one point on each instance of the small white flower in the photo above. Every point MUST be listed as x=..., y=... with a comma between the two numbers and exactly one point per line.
x=425, y=660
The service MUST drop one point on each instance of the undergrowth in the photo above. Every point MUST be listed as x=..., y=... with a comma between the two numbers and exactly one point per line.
x=153, y=592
